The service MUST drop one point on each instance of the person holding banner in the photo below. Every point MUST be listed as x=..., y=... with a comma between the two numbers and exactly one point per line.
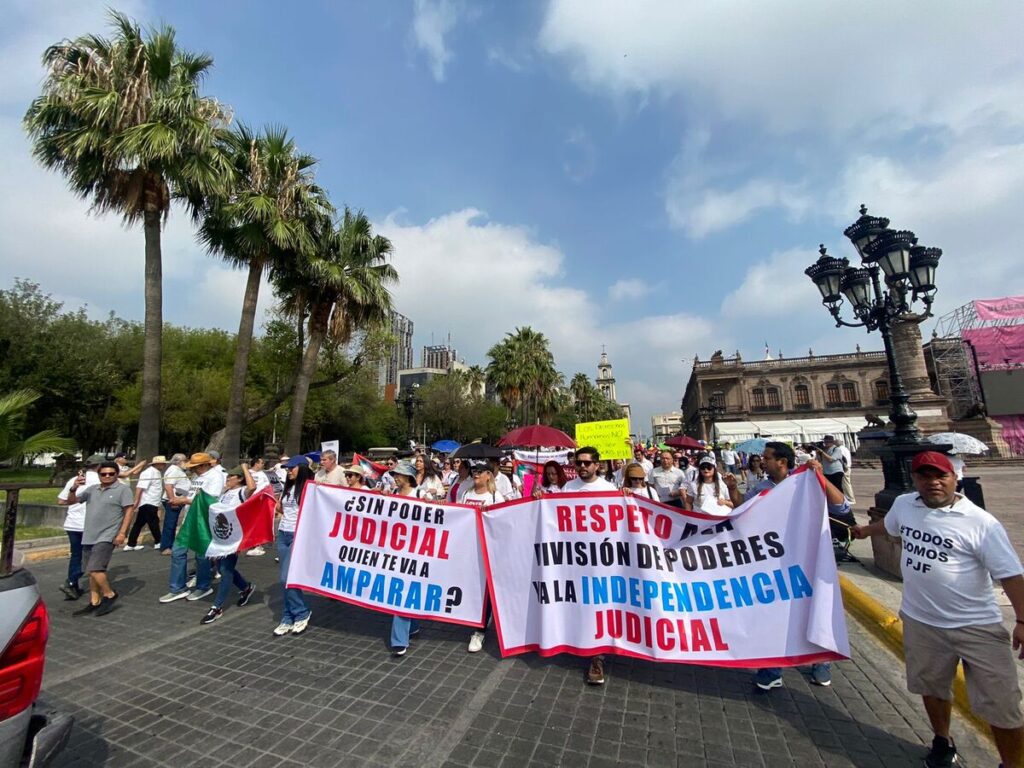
x=554, y=480
x=239, y=485
x=354, y=477
x=635, y=483
x=779, y=461
x=295, y=613
x=483, y=494
x=709, y=493
x=587, y=479
x=402, y=628
x=952, y=549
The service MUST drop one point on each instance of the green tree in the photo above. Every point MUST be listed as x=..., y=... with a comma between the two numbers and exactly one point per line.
x=522, y=370
x=264, y=216
x=13, y=447
x=344, y=287
x=123, y=120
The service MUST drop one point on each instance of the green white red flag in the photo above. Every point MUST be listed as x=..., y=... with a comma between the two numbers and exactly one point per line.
x=213, y=529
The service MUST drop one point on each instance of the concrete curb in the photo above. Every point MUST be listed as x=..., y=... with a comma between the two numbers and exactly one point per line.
x=888, y=627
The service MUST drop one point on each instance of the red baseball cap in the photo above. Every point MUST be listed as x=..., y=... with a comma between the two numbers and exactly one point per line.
x=932, y=459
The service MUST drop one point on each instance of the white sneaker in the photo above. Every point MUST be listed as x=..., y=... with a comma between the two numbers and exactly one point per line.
x=476, y=642
x=191, y=583
x=282, y=629
x=300, y=626
x=156, y=546
x=216, y=576
x=198, y=594
x=256, y=552
x=132, y=549
x=170, y=597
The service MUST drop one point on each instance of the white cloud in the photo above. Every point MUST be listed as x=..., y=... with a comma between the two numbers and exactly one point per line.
x=703, y=211
x=432, y=21
x=632, y=288
x=776, y=287
x=478, y=280
x=799, y=64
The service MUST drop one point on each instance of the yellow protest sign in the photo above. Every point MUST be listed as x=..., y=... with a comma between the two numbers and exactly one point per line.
x=611, y=438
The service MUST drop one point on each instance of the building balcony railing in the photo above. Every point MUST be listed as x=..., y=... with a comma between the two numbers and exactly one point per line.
x=766, y=408
x=761, y=365
x=845, y=404
x=802, y=407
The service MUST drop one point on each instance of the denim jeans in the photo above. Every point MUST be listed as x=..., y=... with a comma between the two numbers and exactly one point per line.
x=295, y=608
x=75, y=563
x=401, y=628
x=179, y=571
x=228, y=575
x=777, y=671
x=171, y=515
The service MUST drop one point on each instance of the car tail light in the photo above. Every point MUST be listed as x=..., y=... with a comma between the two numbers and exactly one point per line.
x=21, y=665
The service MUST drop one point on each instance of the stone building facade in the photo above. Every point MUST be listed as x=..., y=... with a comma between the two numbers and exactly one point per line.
x=802, y=393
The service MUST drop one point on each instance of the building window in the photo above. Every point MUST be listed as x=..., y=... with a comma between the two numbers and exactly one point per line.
x=758, y=397
x=765, y=399
x=832, y=396
x=802, y=396
x=881, y=392
x=718, y=399
x=850, y=393
x=774, y=401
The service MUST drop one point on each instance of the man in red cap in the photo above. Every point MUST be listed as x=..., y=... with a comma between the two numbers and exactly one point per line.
x=952, y=549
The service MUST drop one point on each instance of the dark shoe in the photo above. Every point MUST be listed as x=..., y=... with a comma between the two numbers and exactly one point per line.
x=942, y=754
x=766, y=679
x=399, y=650
x=211, y=616
x=71, y=590
x=821, y=674
x=246, y=594
x=106, y=605
x=88, y=610
x=595, y=675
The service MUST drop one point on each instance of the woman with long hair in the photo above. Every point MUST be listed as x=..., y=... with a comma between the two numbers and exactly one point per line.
x=295, y=614
x=428, y=481
x=754, y=473
x=483, y=494
x=551, y=480
x=709, y=492
x=402, y=628
x=634, y=482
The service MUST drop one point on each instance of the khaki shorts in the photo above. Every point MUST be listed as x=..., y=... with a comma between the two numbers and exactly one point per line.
x=932, y=655
x=97, y=556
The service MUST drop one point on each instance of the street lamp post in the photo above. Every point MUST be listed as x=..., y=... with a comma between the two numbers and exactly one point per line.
x=409, y=403
x=908, y=271
x=709, y=414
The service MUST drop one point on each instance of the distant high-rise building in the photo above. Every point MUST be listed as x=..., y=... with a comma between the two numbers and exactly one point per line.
x=439, y=356
x=400, y=356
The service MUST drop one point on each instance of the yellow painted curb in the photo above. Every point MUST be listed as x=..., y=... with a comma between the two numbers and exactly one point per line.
x=888, y=627
x=38, y=556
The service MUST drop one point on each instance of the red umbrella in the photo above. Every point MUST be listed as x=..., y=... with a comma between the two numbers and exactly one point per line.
x=538, y=435
x=684, y=441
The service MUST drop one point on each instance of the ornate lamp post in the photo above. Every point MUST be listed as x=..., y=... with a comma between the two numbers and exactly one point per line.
x=709, y=414
x=409, y=403
x=908, y=272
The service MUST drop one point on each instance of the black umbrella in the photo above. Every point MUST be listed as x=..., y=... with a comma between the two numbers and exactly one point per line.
x=478, y=451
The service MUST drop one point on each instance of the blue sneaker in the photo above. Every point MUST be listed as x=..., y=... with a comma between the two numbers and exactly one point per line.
x=821, y=674
x=766, y=679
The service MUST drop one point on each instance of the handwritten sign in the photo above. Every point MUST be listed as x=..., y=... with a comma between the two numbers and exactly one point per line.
x=611, y=438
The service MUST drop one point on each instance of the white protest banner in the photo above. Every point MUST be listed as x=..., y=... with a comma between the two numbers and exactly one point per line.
x=329, y=445
x=397, y=554
x=607, y=573
x=563, y=456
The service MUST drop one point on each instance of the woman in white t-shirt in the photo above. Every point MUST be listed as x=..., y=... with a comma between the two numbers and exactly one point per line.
x=427, y=480
x=239, y=484
x=634, y=483
x=754, y=473
x=709, y=494
x=295, y=614
x=483, y=494
x=554, y=479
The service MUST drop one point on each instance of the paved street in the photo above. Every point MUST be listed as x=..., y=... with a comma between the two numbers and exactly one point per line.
x=149, y=686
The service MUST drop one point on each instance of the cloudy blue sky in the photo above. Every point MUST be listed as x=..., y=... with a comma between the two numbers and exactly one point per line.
x=652, y=176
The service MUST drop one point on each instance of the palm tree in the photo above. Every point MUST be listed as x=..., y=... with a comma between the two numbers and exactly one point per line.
x=582, y=392
x=476, y=380
x=123, y=120
x=265, y=216
x=522, y=369
x=12, y=418
x=344, y=287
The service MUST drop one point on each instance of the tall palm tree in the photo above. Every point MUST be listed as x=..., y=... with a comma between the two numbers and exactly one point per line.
x=123, y=120
x=344, y=287
x=522, y=369
x=12, y=417
x=582, y=392
x=264, y=216
x=476, y=380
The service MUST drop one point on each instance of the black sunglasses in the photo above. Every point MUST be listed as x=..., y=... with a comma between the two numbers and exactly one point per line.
x=584, y=463
x=107, y=474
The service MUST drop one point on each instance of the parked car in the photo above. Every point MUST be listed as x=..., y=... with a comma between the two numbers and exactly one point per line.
x=30, y=736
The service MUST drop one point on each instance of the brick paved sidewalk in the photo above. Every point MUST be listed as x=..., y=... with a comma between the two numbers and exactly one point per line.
x=149, y=686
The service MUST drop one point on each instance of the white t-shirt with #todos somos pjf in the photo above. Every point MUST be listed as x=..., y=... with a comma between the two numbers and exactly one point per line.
x=949, y=557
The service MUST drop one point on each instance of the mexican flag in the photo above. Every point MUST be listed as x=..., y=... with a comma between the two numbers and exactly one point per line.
x=212, y=529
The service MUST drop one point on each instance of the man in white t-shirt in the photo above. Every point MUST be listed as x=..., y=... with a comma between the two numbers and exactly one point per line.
x=952, y=549
x=175, y=499
x=729, y=459
x=641, y=459
x=74, y=523
x=668, y=480
x=330, y=473
x=588, y=479
x=832, y=463
x=149, y=493
x=208, y=479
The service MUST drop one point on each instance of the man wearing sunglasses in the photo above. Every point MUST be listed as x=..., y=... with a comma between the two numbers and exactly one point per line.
x=108, y=515
x=588, y=479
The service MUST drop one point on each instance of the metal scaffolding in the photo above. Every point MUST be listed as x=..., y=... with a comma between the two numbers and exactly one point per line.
x=954, y=359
